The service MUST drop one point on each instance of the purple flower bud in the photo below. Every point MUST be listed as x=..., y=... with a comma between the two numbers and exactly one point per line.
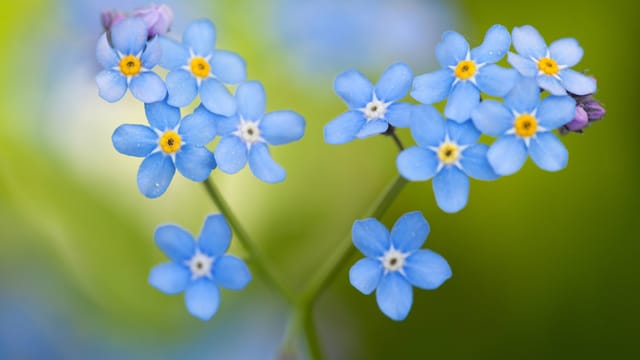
x=110, y=18
x=594, y=109
x=158, y=18
x=580, y=120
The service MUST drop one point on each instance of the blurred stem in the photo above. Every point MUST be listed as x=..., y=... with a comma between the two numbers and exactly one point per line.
x=301, y=321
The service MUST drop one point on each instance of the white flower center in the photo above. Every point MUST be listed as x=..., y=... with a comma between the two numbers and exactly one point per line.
x=248, y=132
x=393, y=260
x=200, y=265
x=375, y=109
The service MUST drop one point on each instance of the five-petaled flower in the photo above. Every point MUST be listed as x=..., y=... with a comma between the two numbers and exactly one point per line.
x=198, y=267
x=394, y=262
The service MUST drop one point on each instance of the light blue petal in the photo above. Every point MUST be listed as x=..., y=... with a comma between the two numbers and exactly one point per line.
x=475, y=164
x=148, y=87
x=365, y=275
x=528, y=42
x=152, y=54
x=355, y=89
x=215, y=236
x=492, y=118
x=417, y=163
x=495, y=45
x=372, y=127
x=555, y=111
x=344, y=128
x=105, y=55
x=432, y=87
x=451, y=49
x=464, y=98
x=216, y=98
x=199, y=128
x=263, y=166
x=524, y=97
x=134, y=140
x=507, y=155
x=394, y=296
x=174, y=55
x=175, y=242
x=129, y=36
x=162, y=116
x=548, y=152
x=427, y=125
x=426, y=270
x=282, y=127
x=394, y=83
x=225, y=125
x=111, y=85
x=370, y=237
x=410, y=232
x=251, y=100
x=462, y=134
x=495, y=80
x=399, y=114
x=202, y=299
x=200, y=36
x=170, y=278
x=155, y=174
x=195, y=162
x=182, y=88
x=231, y=273
x=577, y=83
x=228, y=67
x=451, y=188
x=566, y=52
x=525, y=66
x=231, y=154
x=551, y=84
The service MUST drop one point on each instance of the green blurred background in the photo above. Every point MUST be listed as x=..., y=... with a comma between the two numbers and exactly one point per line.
x=545, y=264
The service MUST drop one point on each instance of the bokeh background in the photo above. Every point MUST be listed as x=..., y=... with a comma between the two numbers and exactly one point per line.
x=545, y=264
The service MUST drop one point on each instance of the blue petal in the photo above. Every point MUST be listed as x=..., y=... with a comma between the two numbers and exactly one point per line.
x=202, y=299
x=344, y=128
x=394, y=83
x=105, y=55
x=199, y=128
x=464, y=97
x=432, y=87
x=170, y=278
x=355, y=89
x=474, y=162
x=555, y=111
x=155, y=174
x=215, y=236
x=399, y=114
x=528, y=42
x=231, y=154
x=495, y=45
x=462, y=134
x=495, y=80
x=426, y=270
x=525, y=66
x=162, y=116
x=263, y=166
x=216, y=98
x=566, y=52
x=373, y=127
x=370, y=237
x=551, y=84
x=129, y=36
x=111, y=85
x=182, y=88
x=134, y=140
x=225, y=125
x=451, y=49
x=427, y=125
x=548, y=152
x=451, y=188
x=410, y=232
x=195, y=162
x=282, y=127
x=152, y=54
x=231, y=273
x=577, y=83
x=175, y=242
x=200, y=36
x=251, y=100
x=148, y=87
x=174, y=55
x=492, y=118
x=394, y=296
x=365, y=275
x=524, y=97
x=417, y=163
x=229, y=67
x=507, y=155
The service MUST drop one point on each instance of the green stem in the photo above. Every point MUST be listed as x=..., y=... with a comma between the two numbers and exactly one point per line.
x=311, y=337
x=300, y=321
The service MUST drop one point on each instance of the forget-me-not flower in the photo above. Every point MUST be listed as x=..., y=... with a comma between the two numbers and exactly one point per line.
x=167, y=144
x=198, y=267
x=394, y=262
x=465, y=73
x=371, y=109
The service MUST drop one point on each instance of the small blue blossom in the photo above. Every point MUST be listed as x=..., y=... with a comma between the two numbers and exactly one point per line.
x=167, y=144
x=129, y=62
x=523, y=125
x=371, y=109
x=394, y=262
x=198, y=267
x=550, y=66
x=247, y=135
x=449, y=153
x=466, y=73
x=197, y=67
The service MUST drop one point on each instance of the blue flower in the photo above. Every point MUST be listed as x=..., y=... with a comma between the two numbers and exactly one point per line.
x=371, y=110
x=550, y=66
x=465, y=73
x=197, y=67
x=523, y=125
x=198, y=267
x=246, y=135
x=394, y=262
x=168, y=143
x=128, y=63
x=449, y=153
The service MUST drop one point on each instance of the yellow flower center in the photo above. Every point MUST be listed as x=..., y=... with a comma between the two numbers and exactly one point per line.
x=449, y=153
x=548, y=66
x=526, y=125
x=465, y=69
x=200, y=67
x=130, y=65
x=170, y=142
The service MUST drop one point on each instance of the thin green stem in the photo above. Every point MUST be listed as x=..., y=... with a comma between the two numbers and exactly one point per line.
x=311, y=337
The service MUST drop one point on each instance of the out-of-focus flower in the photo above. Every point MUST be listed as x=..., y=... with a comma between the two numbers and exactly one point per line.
x=157, y=18
x=588, y=110
x=110, y=18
